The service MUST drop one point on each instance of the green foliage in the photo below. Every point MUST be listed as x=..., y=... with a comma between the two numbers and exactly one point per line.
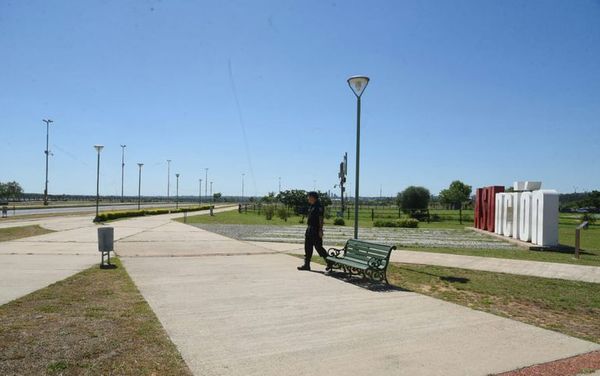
x=405, y=223
x=295, y=199
x=217, y=196
x=269, y=198
x=414, y=198
x=282, y=213
x=339, y=222
x=10, y=190
x=456, y=194
x=109, y=216
x=589, y=217
x=269, y=211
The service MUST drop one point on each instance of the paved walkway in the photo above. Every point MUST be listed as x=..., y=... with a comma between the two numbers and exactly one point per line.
x=32, y=263
x=238, y=308
x=522, y=267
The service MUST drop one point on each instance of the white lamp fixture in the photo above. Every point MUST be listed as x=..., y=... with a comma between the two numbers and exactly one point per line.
x=358, y=84
x=99, y=148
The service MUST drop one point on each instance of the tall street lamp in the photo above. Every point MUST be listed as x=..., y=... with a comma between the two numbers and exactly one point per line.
x=199, y=191
x=211, y=195
x=122, y=169
x=177, y=190
x=168, y=178
x=47, y=152
x=358, y=85
x=98, y=149
x=206, y=182
x=140, y=185
x=243, y=186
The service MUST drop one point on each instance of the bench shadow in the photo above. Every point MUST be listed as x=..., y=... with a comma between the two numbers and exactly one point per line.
x=561, y=248
x=361, y=282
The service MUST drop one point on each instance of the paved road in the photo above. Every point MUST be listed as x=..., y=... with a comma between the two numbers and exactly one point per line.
x=238, y=308
x=82, y=209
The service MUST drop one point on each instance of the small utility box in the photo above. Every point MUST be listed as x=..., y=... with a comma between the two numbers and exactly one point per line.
x=106, y=237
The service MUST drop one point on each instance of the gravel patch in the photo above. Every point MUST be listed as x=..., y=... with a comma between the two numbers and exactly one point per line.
x=337, y=235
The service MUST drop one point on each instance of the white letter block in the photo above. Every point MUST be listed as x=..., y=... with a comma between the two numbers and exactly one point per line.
x=507, y=214
x=516, y=198
x=525, y=217
x=544, y=215
x=498, y=221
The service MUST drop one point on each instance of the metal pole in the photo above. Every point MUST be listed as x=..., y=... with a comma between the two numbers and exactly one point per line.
x=211, y=195
x=243, y=187
x=140, y=186
x=177, y=197
x=47, y=152
x=199, y=191
x=356, y=190
x=168, y=178
x=98, y=184
x=280, y=184
x=206, y=182
x=122, y=169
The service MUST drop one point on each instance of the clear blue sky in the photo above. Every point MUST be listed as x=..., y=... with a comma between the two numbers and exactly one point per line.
x=483, y=91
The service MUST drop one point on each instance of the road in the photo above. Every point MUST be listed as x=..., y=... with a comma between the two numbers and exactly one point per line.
x=83, y=209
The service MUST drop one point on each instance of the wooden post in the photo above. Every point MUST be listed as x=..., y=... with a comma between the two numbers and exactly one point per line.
x=577, y=238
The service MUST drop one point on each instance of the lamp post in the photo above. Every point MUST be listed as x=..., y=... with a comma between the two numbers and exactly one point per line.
x=47, y=152
x=243, y=187
x=358, y=85
x=206, y=182
x=140, y=185
x=199, y=191
x=168, y=178
x=211, y=195
x=177, y=197
x=98, y=149
x=122, y=169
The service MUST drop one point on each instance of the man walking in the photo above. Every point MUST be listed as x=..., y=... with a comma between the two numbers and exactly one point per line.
x=313, y=237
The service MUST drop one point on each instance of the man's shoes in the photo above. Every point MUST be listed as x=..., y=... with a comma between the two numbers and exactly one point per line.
x=304, y=267
x=329, y=267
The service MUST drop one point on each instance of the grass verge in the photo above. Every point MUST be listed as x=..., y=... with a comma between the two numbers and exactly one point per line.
x=12, y=233
x=95, y=322
x=569, y=307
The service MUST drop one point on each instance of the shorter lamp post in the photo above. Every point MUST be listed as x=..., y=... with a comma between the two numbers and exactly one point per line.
x=211, y=194
x=243, y=187
x=98, y=149
x=199, y=191
x=177, y=192
x=140, y=185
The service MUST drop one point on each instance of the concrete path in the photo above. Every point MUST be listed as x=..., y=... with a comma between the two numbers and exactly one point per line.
x=32, y=263
x=237, y=308
x=522, y=267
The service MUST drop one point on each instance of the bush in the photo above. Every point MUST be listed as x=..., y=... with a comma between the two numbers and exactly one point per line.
x=339, y=222
x=405, y=223
x=109, y=216
x=282, y=213
x=269, y=211
x=590, y=217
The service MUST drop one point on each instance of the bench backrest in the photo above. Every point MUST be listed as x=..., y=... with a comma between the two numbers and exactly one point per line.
x=361, y=250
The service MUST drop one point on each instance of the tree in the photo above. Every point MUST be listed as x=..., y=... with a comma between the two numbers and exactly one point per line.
x=269, y=198
x=414, y=200
x=217, y=196
x=11, y=190
x=295, y=199
x=456, y=195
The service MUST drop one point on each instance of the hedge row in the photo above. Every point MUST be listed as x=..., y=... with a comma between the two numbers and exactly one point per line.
x=102, y=217
x=406, y=223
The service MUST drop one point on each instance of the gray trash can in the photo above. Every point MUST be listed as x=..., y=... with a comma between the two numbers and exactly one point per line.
x=106, y=237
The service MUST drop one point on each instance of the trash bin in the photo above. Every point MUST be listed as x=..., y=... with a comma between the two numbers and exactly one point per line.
x=106, y=237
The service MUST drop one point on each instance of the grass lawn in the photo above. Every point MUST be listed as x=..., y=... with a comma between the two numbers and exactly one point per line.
x=11, y=233
x=95, y=322
x=569, y=307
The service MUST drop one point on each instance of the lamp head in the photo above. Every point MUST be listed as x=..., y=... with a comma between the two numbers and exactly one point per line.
x=99, y=148
x=358, y=84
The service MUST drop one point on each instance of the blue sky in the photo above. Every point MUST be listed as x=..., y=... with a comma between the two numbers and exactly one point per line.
x=483, y=91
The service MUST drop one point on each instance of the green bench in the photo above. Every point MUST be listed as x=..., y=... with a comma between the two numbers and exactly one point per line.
x=362, y=258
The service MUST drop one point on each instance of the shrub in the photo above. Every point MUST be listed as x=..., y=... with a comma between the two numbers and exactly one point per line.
x=405, y=223
x=269, y=211
x=590, y=217
x=339, y=222
x=108, y=216
x=282, y=213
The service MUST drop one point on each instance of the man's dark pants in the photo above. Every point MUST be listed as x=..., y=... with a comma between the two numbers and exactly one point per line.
x=313, y=240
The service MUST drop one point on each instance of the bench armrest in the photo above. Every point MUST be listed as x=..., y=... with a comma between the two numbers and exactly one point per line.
x=335, y=252
x=376, y=263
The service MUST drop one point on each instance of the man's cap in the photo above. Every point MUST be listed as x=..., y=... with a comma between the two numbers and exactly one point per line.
x=313, y=194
